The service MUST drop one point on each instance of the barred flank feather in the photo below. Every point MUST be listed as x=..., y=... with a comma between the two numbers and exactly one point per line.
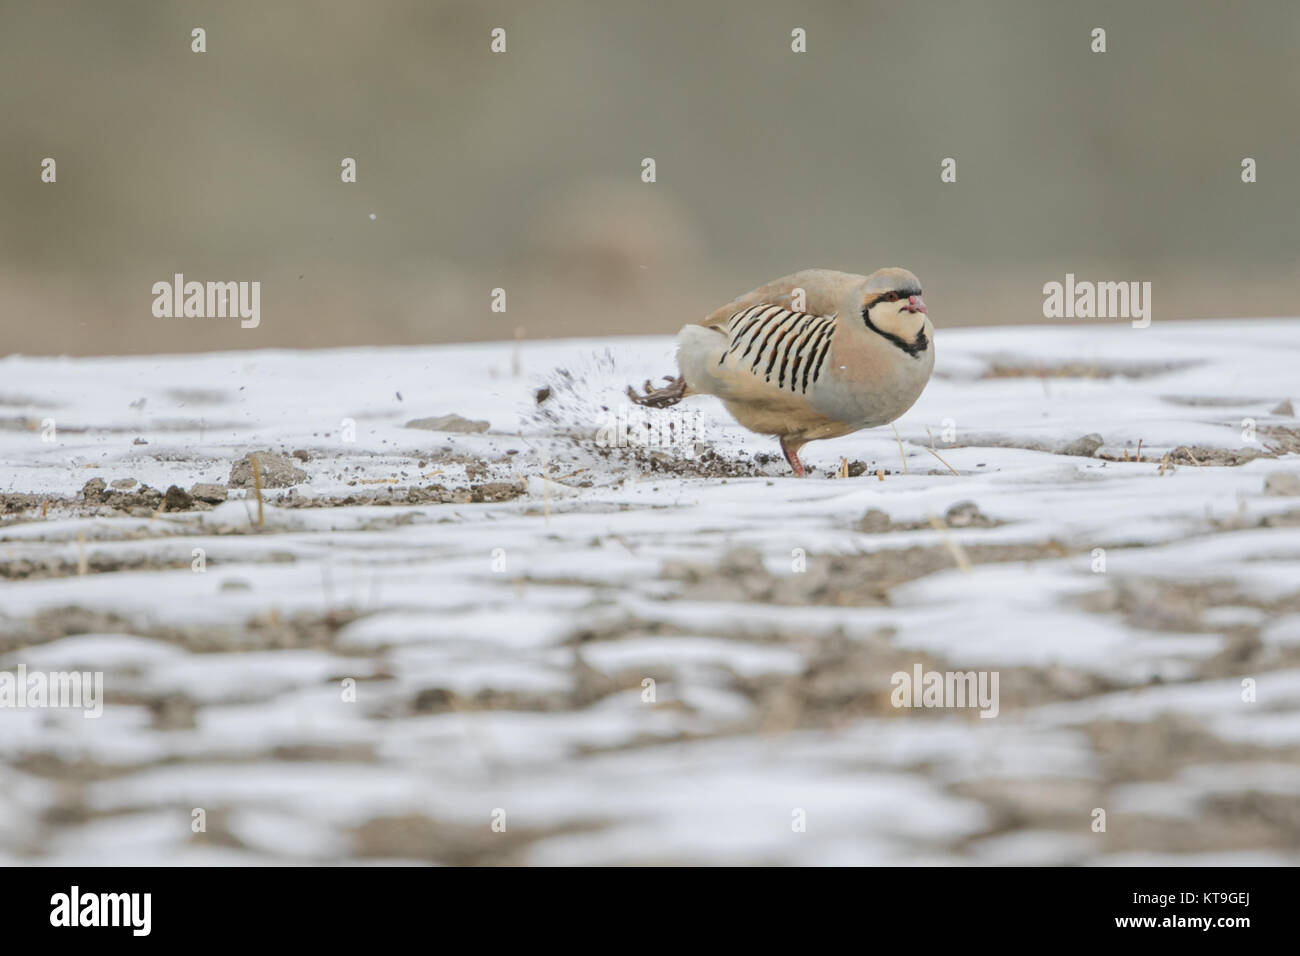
x=786, y=341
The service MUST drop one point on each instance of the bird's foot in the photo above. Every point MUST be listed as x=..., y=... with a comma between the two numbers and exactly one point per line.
x=670, y=394
x=792, y=456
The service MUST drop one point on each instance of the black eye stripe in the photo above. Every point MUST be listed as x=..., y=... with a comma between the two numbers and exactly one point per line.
x=901, y=293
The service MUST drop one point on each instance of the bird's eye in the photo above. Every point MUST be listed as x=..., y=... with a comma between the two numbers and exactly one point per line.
x=891, y=297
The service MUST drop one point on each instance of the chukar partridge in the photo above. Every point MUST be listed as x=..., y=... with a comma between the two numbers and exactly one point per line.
x=817, y=354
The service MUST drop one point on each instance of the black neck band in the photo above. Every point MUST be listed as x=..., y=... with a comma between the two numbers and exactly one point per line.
x=911, y=348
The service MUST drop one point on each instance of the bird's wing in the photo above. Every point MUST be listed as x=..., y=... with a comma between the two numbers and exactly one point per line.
x=770, y=347
x=814, y=291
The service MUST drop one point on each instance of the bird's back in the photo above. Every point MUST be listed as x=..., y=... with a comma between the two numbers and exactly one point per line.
x=815, y=291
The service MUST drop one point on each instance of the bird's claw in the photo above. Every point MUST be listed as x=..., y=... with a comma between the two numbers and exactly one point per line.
x=653, y=397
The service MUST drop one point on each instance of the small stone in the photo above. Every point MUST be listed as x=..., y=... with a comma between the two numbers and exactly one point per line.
x=94, y=489
x=857, y=468
x=121, y=484
x=875, y=521
x=1282, y=483
x=173, y=712
x=1084, y=447
x=543, y=394
x=449, y=423
x=965, y=514
x=209, y=493
x=139, y=441
x=176, y=499
x=301, y=455
x=434, y=700
x=1284, y=408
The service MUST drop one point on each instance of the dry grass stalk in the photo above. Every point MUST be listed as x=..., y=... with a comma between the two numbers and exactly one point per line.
x=937, y=455
x=899, y=438
x=257, y=487
x=954, y=547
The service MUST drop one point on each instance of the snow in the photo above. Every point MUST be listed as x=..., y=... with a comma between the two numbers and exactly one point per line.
x=342, y=665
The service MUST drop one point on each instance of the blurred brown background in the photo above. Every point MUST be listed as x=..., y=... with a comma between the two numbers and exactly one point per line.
x=522, y=170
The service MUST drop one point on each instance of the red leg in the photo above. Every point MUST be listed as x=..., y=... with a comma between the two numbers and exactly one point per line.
x=792, y=456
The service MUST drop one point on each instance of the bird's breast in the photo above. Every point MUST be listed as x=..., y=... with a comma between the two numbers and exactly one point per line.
x=872, y=381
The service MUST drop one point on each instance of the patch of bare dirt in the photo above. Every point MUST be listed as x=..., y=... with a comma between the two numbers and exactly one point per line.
x=418, y=837
x=1007, y=368
x=12, y=504
x=1195, y=455
x=476, y=493
x=1210, y=401
x=964, y=514
x=860, y=580
x=270, y=631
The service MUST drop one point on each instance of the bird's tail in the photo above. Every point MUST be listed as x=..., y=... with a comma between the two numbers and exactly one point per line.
x=699, y=348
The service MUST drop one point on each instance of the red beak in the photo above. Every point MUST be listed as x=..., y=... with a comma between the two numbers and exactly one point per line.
x=915, y=304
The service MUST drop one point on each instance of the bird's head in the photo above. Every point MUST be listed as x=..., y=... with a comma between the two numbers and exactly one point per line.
x=892, y=305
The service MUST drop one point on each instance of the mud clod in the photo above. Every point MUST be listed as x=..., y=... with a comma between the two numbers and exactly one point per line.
x=450, y=423
x=1084, y=447
x=875, y=521
x=966, y=514
x=208, y=493
x=176, y=499
x=277, y=471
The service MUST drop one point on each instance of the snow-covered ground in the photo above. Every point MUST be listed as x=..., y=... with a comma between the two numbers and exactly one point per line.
x=533, y=645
